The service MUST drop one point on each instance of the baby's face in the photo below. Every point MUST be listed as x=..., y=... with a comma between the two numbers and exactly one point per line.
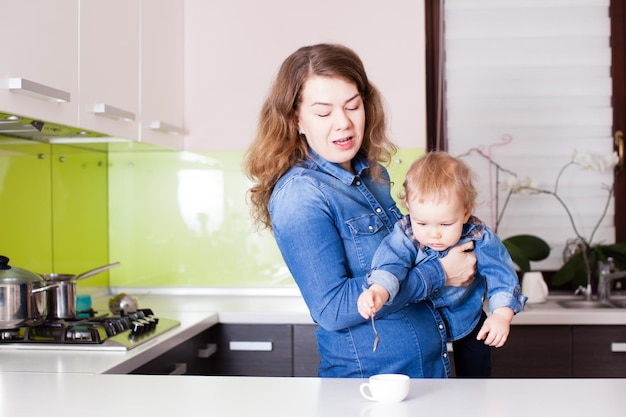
x=436, y=223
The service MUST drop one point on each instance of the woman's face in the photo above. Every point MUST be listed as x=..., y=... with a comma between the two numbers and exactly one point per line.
x=332, y=117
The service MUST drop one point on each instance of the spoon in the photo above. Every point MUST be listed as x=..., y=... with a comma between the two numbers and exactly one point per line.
x=376, y=336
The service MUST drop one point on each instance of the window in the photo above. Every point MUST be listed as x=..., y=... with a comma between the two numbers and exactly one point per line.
x=540, y=73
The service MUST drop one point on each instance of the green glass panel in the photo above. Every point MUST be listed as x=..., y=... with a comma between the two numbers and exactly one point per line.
x=25, y=201
x=80, y=212
x=397, y=171
x=180, y=219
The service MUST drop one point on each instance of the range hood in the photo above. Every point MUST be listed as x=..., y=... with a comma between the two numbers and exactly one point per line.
x=28, y=128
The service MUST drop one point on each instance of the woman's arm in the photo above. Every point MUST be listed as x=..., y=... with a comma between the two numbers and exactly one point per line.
x=304, y=226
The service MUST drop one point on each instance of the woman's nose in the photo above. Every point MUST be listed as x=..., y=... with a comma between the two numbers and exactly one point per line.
x=342, y=121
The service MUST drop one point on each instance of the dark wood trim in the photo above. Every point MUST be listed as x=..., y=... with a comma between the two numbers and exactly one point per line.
x=617, y=13
x=435, y=109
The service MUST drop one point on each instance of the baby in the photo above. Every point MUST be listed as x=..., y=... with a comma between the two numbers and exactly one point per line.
x=440, y=195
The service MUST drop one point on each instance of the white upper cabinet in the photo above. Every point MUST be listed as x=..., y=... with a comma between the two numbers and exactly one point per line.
x=39, y=60
x=109, y=67
x=161, y=75
x=114, y=67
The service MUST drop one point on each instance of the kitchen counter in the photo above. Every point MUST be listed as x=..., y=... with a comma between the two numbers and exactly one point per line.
x=37, y=394
x=197, y=313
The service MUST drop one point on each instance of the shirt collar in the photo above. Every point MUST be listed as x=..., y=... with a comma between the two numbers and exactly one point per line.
x=359, y=163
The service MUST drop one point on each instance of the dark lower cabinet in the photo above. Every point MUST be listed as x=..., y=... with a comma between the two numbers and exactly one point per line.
x=599, y=351
x=254, y=350
x=192, y=357
x=534, y=352
x=242, y=350
x=306, y=360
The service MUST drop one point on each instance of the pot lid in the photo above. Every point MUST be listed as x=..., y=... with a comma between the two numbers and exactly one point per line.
x=14, y=274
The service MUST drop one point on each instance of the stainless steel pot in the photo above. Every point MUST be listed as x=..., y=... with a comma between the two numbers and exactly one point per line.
x=62, y=301
x=22, y=296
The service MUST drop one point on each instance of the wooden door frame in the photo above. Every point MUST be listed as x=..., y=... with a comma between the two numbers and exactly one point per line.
x=436, y=107
x=617, y=12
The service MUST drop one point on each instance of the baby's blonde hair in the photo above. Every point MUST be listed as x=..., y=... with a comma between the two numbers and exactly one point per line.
x=438, y=175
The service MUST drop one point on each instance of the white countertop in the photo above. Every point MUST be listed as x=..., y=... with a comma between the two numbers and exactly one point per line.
x=69, y=395
x=289, y=307
x=199, y=312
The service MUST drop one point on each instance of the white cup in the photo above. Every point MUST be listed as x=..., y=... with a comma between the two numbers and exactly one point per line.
x=386, y=388
x=534, y=287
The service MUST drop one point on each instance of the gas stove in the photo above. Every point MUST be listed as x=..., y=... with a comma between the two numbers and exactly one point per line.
x=95, y=332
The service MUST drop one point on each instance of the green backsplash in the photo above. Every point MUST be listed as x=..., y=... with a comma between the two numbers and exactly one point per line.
x=53, y=208
x=180, y=219
x=171, y=218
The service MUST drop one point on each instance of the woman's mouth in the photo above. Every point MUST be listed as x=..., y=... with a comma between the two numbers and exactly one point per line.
x=344, y=142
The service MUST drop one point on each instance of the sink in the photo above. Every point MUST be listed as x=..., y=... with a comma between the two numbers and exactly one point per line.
x=593, y=304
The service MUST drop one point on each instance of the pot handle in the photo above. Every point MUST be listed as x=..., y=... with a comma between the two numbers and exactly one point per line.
x=45, y=288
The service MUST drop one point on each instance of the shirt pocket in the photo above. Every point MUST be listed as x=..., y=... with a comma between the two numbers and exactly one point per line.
x=365, y=232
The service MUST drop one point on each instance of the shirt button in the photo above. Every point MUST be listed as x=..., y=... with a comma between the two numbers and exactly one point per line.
x=370, y=227
x=441, y=327
x=378, y=210
x=358, y=183
x=445, y=355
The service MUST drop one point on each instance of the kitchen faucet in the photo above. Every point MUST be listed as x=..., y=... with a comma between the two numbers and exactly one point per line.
x=607, y=276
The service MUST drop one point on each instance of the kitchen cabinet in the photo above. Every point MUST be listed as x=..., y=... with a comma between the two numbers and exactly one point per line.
x=43, y=63
x=534, y=352
x=195, y=356
x=109, y=67
x=599, y=351
x=280, y=350
x=162, y=75
x=254, y=350
x=306, y=360
x=562, y=351
x=112, y=67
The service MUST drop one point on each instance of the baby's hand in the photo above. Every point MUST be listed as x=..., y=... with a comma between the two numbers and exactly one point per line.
x=372, y=300
x=496, y=328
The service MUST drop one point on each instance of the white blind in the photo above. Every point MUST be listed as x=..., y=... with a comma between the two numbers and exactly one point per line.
x=538, y=72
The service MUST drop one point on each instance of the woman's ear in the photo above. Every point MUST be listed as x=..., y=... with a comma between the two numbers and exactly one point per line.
x=298, y=124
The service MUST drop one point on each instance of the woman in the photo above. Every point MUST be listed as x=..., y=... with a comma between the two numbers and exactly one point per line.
x=320, y=187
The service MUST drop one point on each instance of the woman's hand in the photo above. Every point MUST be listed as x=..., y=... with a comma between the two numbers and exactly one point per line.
x=460, y=265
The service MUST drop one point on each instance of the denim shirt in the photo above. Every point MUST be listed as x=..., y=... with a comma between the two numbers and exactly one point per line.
x=328, y=223
x=460, y=306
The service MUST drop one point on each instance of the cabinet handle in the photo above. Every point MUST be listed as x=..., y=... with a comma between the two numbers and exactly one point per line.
x=159, y=126
x=179, y=369
x=207, y=351
x=33, y=89
x=618, y=347
x=103, y=109
x=251, y=346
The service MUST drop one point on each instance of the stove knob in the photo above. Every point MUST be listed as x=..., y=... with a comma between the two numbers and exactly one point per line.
x=151, y=323
x=137, y=328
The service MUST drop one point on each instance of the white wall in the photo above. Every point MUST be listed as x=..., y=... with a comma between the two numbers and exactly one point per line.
x=234, y=48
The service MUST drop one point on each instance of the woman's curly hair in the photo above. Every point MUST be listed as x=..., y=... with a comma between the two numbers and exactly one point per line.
x=277, y=146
